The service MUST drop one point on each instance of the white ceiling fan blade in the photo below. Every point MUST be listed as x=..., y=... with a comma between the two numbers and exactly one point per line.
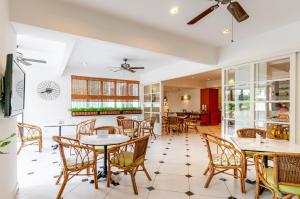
x=115, y=69
x=25, y=62
x=35, y=60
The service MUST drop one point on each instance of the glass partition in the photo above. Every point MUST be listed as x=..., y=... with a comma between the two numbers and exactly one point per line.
x=152, y=101
x=259, y=95
x=237, y=97
x=272, y=97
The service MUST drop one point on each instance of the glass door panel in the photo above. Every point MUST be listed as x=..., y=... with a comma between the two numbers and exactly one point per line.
x=237, y=75
x=273, y=70
x=273, y=91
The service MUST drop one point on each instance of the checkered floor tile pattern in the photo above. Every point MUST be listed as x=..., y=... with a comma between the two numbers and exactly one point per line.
x=175, y=162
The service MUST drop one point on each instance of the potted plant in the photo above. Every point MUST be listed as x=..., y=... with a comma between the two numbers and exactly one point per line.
x=105, y=111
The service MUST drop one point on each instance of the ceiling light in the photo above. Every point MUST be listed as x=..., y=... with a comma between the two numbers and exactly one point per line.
x=208, y=79
x=174, y=10
x=226, y=31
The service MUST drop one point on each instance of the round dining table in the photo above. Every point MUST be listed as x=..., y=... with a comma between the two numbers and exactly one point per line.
x=110, y=139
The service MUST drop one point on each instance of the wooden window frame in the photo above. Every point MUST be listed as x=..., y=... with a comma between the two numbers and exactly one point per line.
x=101, y=96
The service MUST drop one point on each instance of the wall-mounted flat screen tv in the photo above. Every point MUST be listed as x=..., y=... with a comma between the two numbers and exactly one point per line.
x=14, y=88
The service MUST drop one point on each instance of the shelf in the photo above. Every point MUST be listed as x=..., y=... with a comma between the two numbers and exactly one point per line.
x=272, y=101
x=231, y=119
x=238, y=102
x=272, y=80
x=272, y=122
x=247, y=85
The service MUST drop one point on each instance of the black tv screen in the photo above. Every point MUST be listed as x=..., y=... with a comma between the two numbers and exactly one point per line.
x=14, y=88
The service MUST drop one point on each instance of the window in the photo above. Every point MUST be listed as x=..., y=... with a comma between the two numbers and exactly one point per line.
x=133, y=89
x=90, y=92
x=121, y=88
x=108, y=88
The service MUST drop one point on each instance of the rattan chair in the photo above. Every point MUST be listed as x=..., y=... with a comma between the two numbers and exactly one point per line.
x=225, y=157
x=164, y=124
x=130, y=127
x=250, y=133
x=119, y=123
x=75, y=158
x=182, y=120
x=30, y=134
x=173, y=124
x=191, y=123
x=148, y=126
x=111, y=130
x=85, y=128
x=283, y=179
x=129, y=157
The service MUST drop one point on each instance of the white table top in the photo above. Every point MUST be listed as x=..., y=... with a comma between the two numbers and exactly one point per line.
x=271, y=145
x=111, y=139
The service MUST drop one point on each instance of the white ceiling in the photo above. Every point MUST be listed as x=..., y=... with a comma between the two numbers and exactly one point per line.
x=92, y=55
x=196, y=80
x=265, y=15
x=37, y=48
x=86, y=56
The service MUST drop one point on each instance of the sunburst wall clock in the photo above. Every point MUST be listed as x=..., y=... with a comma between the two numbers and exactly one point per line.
x=48, y=90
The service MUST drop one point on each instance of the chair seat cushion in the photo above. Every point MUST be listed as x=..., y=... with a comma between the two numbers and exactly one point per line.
x=126, y=159
x=73, y=163
x=31, y=137
x=130, y=132
x=222, y=160
x=100, y=149
x=250, y=153
x=269, y=176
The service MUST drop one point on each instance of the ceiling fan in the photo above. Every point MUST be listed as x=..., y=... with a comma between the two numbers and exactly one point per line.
x=235, y=8
x=27, y=61
x=126, y=66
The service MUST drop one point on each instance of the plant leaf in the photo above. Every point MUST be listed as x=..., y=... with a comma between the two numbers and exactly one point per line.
x=12, y=135
x=5, y=143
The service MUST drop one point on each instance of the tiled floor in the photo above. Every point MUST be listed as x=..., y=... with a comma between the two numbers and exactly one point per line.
x=175, y=163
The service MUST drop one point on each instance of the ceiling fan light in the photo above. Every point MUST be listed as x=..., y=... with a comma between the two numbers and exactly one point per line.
x=226, y=31
x=237, y=11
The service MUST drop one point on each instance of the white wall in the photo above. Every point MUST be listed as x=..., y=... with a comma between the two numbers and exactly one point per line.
x=176, y=104
x=8, y=162
x=277, y=42
x=213, y=83
x=42, y=112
